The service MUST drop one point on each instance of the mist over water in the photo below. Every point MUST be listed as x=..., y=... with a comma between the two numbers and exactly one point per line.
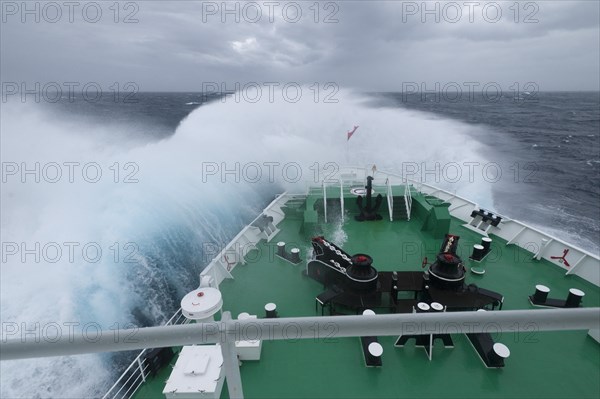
x=548, y=147
x=150, y=233
x=162, y=198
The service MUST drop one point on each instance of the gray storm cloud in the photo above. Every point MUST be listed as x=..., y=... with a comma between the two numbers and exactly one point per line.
x=179, y=46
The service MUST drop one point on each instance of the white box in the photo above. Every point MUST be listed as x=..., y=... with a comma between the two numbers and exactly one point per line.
x=198, y=373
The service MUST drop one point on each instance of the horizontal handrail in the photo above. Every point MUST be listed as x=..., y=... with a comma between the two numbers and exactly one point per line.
x=306, y=328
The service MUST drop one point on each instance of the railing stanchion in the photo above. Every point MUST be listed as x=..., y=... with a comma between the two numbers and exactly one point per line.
x=342, y=198
x=390, y=198
x=324, y=201
x=141, y=367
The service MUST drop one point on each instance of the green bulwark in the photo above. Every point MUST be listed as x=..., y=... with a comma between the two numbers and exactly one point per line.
x=437, y=220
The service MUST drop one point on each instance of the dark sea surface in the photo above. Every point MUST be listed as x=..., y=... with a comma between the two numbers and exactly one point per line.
x=548, y=146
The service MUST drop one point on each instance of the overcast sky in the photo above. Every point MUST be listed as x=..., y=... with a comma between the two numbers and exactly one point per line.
x=371, y=46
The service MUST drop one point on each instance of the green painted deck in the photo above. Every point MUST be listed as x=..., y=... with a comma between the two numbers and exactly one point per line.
x=541, y=365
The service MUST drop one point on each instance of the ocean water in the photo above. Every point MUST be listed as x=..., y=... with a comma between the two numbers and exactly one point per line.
x=547, y=146
x=160, y=211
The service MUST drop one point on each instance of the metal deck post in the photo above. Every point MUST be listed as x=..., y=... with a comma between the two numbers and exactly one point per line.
x=231, y=362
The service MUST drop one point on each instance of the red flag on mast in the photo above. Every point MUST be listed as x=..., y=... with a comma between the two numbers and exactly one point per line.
x=351, y=132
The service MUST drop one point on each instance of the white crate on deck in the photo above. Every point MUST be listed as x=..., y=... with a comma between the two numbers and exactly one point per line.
x=198, y=373
x=248, y=350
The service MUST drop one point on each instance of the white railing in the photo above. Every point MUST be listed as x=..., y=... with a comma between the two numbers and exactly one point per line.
x=234, y=253
x=324, y=201
x=390, y=199
x=407, y=199
x=137, y=372
x=582, y=263
x=342, y=199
